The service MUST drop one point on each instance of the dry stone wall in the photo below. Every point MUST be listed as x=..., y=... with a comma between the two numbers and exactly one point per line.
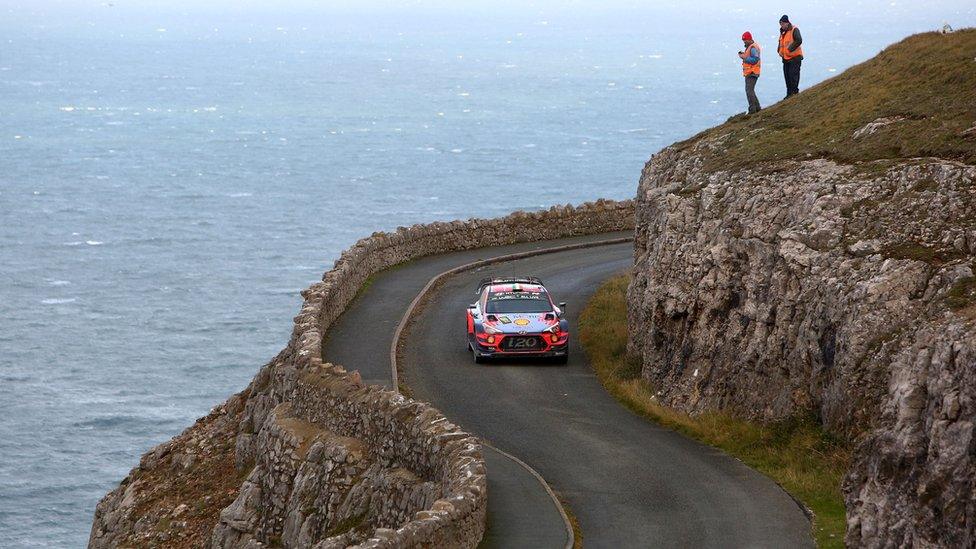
x=328, y=461
x=845, y=291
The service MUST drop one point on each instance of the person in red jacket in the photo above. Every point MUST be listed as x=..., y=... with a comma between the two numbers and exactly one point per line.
x=791, y=52
x=751, y=56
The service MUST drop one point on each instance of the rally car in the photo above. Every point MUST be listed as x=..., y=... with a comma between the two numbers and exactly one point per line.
x=515, y=317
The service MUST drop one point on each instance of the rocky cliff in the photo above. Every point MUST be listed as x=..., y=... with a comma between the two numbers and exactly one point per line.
x=307, y=455
x=819, y=258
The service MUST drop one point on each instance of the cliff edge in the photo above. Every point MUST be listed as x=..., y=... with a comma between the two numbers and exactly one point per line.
x=818, y=258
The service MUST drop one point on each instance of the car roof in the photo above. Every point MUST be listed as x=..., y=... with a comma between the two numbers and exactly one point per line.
x=505, y=288
x=500, y=280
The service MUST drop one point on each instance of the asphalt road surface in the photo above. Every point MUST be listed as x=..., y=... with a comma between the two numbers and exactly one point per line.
x=629, y=482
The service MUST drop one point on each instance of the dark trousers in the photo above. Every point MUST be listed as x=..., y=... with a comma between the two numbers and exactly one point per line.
x=751, y=93
x=791, y=72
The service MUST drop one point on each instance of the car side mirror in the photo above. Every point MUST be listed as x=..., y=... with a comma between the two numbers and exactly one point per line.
x=562, y=305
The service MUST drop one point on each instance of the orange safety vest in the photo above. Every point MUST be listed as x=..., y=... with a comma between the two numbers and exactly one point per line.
x=747, y=69
x=785, y=40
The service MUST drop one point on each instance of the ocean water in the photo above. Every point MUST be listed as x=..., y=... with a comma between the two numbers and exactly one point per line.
x=172, y=176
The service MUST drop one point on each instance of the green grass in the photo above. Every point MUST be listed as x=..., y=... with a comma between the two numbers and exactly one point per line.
x=796, y=453
x=927, y=79
x=163, y=524
x=918, y=252
x=962, y=294
x=347, y=524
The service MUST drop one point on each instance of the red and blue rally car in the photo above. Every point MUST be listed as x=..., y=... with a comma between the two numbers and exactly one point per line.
x=515, y=316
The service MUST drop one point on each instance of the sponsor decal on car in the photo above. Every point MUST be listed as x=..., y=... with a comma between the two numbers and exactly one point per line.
x=506, y=296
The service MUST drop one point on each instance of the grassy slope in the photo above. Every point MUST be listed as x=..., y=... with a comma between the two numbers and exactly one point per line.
x=797, y=454
x=929, y=79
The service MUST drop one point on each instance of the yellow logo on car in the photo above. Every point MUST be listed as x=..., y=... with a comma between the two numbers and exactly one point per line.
x=522, y=322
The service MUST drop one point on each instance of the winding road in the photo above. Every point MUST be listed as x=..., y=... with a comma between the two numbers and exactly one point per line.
x=629, y=482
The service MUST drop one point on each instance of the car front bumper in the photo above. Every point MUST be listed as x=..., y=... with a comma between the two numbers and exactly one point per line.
x=492, y=351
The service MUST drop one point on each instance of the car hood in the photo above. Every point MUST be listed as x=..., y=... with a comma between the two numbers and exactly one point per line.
x=514, y=323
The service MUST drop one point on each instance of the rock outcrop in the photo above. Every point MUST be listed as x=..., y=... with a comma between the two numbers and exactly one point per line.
x=308, y=456
x=818, y=258
x=845, y=290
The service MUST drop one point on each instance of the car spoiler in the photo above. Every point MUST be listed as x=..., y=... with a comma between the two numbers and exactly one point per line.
x=507, y=280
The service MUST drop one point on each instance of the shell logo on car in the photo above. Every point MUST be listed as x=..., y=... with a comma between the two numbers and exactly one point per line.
x=522, y=322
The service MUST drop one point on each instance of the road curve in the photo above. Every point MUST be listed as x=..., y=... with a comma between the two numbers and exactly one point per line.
x=629, y=482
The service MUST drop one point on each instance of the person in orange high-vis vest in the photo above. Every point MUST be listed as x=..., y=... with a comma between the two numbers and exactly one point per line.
x=751, y=56
x=791, y=52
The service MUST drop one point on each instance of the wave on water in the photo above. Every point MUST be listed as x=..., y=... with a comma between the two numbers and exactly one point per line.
x=283, y=291
x=116, y=420
x=94, y=242
x=14, y=378
x=56, y=301
x=317, y=268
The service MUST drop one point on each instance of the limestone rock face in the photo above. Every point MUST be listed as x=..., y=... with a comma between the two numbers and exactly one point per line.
x=846, y=291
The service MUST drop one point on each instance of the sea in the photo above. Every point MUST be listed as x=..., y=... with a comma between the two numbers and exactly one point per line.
x=173, y=173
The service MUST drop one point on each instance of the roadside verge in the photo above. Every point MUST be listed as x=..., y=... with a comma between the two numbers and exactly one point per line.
x=806, y=462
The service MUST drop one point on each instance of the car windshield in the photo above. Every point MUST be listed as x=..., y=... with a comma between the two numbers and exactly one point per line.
x=517, y=302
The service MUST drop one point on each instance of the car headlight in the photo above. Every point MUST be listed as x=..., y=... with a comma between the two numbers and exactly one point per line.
x=492, y=330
